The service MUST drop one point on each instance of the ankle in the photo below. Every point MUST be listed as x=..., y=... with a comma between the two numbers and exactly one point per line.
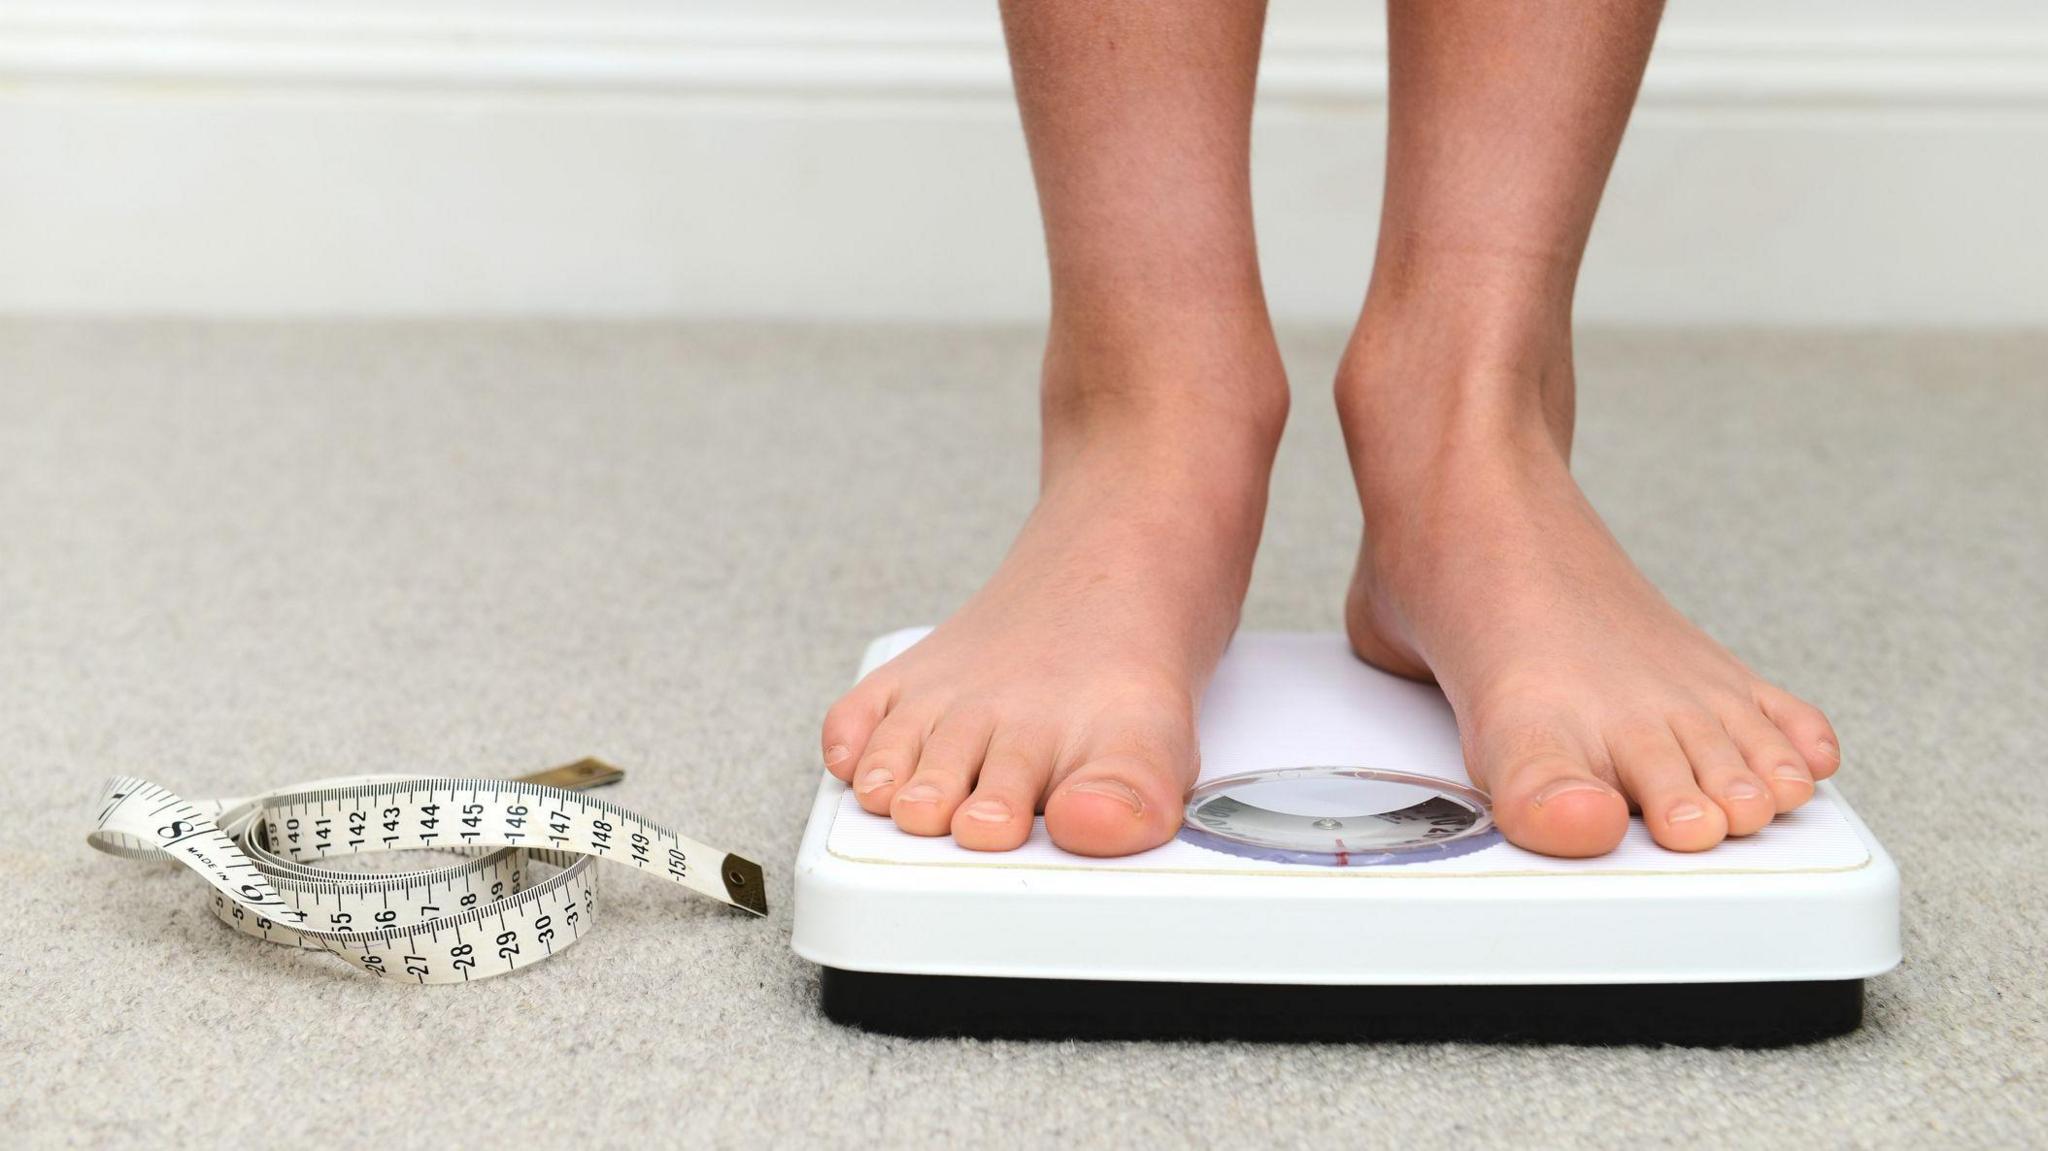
x=1425, y=387
x=1443, y=408
x=1213, y=380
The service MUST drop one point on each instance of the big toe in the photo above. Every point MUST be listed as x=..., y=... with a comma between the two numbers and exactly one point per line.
x=1117, y=805
x=1552, y=803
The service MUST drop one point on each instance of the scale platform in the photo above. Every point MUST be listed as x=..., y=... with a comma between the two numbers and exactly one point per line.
x=1761, y=941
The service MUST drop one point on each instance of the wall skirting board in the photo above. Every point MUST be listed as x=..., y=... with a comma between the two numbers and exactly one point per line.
x=363, y=157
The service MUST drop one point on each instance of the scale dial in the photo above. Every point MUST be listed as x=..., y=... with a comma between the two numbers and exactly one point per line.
x=1338, y=816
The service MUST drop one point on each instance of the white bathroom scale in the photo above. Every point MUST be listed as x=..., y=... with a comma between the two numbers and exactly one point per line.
x=1339, y=879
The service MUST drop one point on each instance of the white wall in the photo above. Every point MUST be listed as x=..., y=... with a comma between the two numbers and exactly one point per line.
x=1805, y=161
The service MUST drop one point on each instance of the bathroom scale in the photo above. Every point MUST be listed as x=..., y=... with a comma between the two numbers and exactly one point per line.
x=1338, y=878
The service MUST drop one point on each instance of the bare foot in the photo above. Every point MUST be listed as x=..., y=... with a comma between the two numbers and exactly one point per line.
x=1069, y=682
x=1579, y=690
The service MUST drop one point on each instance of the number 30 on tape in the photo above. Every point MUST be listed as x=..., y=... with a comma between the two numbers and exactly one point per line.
x=487, y=915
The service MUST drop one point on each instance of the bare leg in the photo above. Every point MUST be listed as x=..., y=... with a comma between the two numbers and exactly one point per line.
x=1070, y=681
x=1578, y=689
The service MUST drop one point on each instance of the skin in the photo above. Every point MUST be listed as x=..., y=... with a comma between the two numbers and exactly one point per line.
x=1070, y=682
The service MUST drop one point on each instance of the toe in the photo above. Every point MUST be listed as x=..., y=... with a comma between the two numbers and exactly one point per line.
x=1721, y=772
x=1117, y=805
x=1125, y=799
x=1654, y=768
x=1771, y=756
x=891, y=756
x=1805, y=727
x=946, y=767
x=850, y=723
x=1546, y=797
x=998, y=816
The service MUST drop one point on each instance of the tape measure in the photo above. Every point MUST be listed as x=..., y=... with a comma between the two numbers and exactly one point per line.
x=492, y=913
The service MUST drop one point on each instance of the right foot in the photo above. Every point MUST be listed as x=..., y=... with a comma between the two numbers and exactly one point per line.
x=1579, y=691
x=1069, y=682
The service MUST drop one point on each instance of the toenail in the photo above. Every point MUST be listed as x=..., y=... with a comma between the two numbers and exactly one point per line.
x=835, y=753
x=988, y=811
x=1685, y=812
x=1111, y=789
x=1563, y=787
x=876, y=779
x=1743, y=789
x=1790, y=774
x=1828, y=749
x=918, y=793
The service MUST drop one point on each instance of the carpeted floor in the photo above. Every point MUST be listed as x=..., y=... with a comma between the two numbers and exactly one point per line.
x=231, y=557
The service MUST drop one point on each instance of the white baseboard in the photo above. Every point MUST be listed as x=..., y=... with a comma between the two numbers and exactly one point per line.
x=248, y=158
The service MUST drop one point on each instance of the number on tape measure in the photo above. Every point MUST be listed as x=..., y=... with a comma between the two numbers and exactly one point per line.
x=489, y=914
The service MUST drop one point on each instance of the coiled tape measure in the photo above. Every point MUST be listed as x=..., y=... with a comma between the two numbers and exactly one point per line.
x=490, y=914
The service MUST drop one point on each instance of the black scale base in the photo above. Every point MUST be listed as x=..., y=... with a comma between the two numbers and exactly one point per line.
x=1687, y=1014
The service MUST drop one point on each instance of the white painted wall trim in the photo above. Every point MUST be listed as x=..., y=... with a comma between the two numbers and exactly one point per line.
x=432, y=47
x=1804, y=162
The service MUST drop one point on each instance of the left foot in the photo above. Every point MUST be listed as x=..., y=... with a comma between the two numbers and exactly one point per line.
x=1579, y=691
x=1070, y=681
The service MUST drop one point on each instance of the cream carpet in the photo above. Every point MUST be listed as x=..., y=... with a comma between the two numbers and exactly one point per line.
x=235, y=556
